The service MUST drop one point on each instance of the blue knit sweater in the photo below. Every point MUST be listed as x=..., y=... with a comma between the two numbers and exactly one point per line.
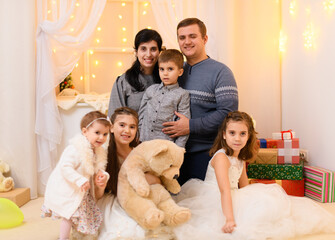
x=213, y=94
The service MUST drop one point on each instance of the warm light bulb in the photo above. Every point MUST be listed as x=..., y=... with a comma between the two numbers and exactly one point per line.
x=144, y=12
x=49, y=11
x=77, y=65
x=124, y=29
x=146, y=4
x=124, y=39
x=97, y=40
x=54, y=50
x=123, y=49
x=119, y=64
x=96, y=62
x=99, y=28
x=81, y=78
x=309, y=36
x=77, y=4
x=149, y=27
x=120, y=16
x=293, y=6
x=93, y=75
x=91, y=52
x=329, y=5
x=123, y=4
x=71, y=29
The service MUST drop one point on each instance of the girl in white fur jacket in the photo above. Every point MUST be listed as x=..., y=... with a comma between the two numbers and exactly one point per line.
x=70, y=192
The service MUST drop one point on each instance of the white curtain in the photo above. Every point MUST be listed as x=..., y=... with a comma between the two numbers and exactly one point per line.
x=64, y=32
x=168, y=13
x=244, y=36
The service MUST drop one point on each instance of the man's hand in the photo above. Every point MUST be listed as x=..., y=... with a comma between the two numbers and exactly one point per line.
x=177, y=128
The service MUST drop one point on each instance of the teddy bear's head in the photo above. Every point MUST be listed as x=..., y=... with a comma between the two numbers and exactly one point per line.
x=6, y=183
x=4, y=167
x=164, y=157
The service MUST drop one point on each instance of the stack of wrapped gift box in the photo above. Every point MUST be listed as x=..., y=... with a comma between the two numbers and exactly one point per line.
x=278, y=161
x=319, y=184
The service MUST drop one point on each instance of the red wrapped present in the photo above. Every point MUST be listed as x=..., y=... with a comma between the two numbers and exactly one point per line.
x=288, y=147
x=267, y=143
x=271, y=143
x=291, y=187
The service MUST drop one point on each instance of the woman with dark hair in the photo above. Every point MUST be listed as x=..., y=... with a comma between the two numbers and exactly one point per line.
x=129, y=88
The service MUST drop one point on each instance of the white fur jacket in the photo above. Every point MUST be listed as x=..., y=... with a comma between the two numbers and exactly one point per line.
x=77, y=165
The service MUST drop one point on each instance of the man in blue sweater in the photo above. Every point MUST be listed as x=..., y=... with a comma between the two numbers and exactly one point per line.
x=213, y=94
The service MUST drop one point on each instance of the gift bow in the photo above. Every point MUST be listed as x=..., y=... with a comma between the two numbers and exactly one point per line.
x=288, y=131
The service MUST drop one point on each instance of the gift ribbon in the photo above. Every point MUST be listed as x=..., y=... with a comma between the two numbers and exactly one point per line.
x=288, y=131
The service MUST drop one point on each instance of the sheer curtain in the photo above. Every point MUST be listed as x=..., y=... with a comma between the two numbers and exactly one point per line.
x=244, y=36
x=64, y=32
x=216, y=14
x=168, y=14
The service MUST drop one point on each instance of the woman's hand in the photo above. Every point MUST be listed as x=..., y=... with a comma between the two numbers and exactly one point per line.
x=229, y=226
x=152, y=179
x=85, y=186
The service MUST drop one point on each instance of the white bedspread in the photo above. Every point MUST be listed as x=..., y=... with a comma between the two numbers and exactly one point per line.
x=68, y=99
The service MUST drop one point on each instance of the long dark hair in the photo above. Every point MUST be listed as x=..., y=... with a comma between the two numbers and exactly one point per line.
x=113, y=165
x=143, y=36
x=250, y=149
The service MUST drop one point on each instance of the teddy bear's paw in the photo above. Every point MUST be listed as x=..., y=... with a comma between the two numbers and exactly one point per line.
x=153, y=218
x=175, y=189
x=181, y=216
x=8, y=184
x=143, y=191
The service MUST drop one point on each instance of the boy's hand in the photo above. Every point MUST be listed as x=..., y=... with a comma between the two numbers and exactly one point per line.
x=85, y=186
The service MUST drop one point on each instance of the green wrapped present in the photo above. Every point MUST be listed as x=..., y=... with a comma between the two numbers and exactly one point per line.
x=276, y=171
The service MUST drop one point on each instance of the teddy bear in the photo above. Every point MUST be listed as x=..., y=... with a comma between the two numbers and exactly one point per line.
x=151, y=205
x=6, y=183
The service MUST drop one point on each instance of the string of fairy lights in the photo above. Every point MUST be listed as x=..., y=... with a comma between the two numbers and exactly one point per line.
x=309, y=35
x=89, y=55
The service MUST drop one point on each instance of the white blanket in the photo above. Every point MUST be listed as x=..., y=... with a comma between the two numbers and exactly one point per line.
x=68, y=99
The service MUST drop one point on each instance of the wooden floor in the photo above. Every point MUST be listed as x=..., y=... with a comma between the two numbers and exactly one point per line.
x=35, y=228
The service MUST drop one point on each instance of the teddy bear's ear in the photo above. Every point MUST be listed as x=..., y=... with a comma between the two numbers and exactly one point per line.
x=158, y=149
x=159, y=162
